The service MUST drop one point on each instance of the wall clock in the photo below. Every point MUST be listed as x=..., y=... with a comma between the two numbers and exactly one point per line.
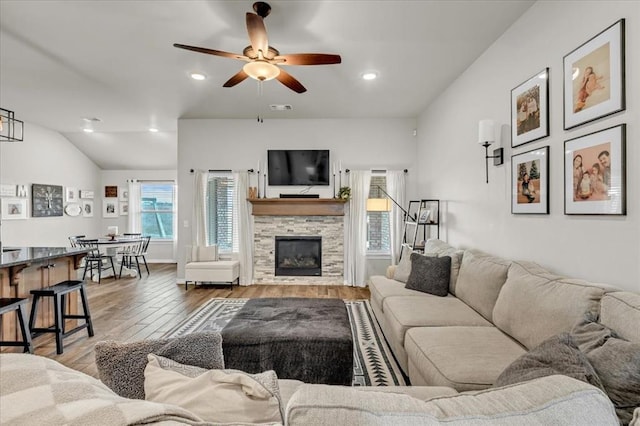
x=47, y=200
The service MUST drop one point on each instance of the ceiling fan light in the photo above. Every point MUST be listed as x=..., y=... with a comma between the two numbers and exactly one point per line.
x=261, y=70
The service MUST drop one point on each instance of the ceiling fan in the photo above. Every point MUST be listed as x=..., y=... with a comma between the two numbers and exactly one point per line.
x=262, y=60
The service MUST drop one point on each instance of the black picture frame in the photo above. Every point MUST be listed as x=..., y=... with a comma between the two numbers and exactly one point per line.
x=531, y=197
x=594, y=78
x=530, y=109
x=605, y=192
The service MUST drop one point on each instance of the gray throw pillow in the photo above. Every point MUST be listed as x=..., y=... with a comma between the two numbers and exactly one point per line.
x=429, y=274
x=121, y=365
x=616, y=361
x=557, y=355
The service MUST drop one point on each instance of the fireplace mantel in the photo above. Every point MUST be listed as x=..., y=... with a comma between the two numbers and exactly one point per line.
x=297, y=206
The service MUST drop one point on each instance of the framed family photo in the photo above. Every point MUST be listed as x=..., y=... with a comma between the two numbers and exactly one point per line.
x=530, y=182
x=530, y=109
x=595, y=173
x=594, y=79
x=14, y=208
x=109, y=207
x=87, y=208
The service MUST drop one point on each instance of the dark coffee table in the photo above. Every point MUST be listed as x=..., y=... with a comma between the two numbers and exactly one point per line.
x=299, y=338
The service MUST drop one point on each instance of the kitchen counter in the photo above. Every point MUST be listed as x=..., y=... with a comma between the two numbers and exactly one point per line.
x=14, y=256
x=23, y=269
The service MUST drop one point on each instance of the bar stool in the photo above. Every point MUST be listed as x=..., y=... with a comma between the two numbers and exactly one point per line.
x=59, y=292
x=9, y=304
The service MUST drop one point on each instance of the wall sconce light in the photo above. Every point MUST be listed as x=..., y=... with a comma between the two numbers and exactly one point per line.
x=11, y=130
x=486, y=136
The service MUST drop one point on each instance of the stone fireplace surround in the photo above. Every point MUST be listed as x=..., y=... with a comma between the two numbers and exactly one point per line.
x=269, y=224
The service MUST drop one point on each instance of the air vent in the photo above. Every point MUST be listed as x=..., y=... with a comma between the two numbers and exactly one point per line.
x=280, y=107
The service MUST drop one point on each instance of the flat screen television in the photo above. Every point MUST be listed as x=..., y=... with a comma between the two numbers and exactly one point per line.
x=298, y=167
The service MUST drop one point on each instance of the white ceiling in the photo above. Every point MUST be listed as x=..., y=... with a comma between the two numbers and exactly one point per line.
x=62, y=60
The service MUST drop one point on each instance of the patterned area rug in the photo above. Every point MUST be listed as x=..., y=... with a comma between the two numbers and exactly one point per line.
x=373, y=362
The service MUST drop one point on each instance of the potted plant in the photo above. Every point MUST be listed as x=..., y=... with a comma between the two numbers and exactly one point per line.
x=344, y=193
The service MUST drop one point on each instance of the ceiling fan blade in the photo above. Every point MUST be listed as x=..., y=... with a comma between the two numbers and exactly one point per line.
x=257, y=34
x=308, y=59
x=212, y=52
x=237, y=78
x=289, y=81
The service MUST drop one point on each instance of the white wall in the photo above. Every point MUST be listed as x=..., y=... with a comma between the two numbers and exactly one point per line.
x=159, y=251
x=47, y=157
x=359, y=144
x=475, y=214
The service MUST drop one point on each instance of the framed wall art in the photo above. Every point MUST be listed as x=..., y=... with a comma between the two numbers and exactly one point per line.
x=594, y=80
x=595, y=173
x=124, y=209
x=85, y=193
x=111, y=191
x=530, y=109
x=87, y=208
x=71, y=195
x=110, y=207
x=530, y=182
x=124, y=194
x=7, y=190
x=47, y=200
x=14, y=208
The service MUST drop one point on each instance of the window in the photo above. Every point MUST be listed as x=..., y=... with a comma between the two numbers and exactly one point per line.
x=222, y=221
x=158, y=210
x=378, y=228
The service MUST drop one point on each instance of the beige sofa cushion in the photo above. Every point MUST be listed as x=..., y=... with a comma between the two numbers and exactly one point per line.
x=534, y=305
x=620, y=311
x=480, y=280
x=383, y=287
x=464, y=358
x=405, y=312
x=550, y=400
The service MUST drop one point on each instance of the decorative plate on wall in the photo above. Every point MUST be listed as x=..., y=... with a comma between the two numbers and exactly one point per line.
x=46, y=200
x=73, y=209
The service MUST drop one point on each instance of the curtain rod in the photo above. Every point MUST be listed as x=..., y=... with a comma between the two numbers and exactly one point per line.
x=221, y=170
x=151, y=180
x=377, y=170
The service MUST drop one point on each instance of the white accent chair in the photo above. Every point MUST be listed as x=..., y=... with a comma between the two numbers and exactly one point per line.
x=204, y=266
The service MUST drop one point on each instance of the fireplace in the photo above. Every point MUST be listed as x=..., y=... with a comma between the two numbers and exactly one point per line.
x=298, y=256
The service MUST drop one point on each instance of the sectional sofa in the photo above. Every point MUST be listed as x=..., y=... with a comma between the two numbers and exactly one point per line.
x=453, y=349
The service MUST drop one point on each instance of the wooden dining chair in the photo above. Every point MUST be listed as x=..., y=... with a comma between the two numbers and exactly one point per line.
x=95, y=258
x=133, y=253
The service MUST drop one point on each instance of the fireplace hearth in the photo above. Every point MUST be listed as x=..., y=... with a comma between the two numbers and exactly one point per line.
x=298, y=256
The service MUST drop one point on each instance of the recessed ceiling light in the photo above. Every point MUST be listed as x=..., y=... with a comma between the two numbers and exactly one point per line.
x=153, y=130
x=87, y=130
x=198, y=76
x=91, y=119
x=369, y=76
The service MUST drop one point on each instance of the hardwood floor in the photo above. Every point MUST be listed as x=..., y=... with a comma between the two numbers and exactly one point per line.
x=131, y=309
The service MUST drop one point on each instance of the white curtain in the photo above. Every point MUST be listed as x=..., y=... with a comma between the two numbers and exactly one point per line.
x=199, y=217
x=356, y=230
x=134, y=221
x=396, y=188
x=245, y=228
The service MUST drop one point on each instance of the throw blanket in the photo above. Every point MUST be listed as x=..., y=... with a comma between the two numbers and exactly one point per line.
x=38, y=390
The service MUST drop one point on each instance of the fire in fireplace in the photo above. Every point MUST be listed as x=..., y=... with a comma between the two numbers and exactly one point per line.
x=298, y=256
